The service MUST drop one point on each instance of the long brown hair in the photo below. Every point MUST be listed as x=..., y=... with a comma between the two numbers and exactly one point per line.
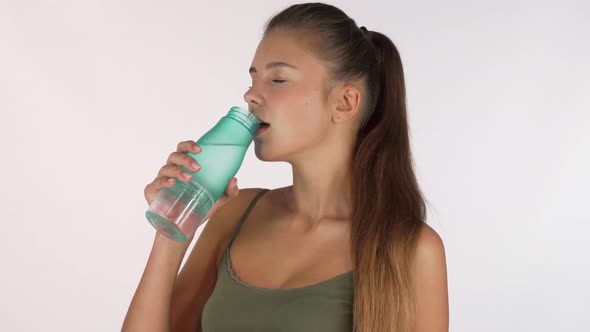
x=388, y=206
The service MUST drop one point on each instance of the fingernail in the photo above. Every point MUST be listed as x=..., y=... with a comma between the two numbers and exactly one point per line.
x=186, y=175
x=195, y=165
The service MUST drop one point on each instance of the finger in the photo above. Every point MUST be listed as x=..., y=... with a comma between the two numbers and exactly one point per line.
x=174, y=171
x=165, y=182
x=232, y=190
x=182, y=159
x=158, y=184
x=188, y=146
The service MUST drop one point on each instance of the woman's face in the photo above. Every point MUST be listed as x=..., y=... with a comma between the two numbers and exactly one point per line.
x=288, y=92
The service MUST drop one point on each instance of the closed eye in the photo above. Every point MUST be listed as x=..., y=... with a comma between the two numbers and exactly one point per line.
x=274, y=81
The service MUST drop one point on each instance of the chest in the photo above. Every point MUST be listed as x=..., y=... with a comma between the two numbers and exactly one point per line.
x=270, y=252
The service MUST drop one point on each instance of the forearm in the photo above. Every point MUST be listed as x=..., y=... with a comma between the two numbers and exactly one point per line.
x=150, y=307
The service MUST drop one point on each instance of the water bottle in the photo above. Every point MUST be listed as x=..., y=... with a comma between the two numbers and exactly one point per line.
x=178, y=211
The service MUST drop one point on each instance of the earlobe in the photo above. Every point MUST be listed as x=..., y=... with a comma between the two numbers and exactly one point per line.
x=341, y=110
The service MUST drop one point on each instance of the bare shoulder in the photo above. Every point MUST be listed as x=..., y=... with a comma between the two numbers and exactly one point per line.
x=430, y=244
x=221, y=225
x=430, y=254
x=432, y=311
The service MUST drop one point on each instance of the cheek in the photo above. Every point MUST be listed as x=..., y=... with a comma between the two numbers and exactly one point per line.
x=305, y=126
x=303, y=122
x=296, y=132
x=312, y=117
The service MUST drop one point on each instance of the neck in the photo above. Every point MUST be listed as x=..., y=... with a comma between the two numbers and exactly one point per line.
x=322, y=187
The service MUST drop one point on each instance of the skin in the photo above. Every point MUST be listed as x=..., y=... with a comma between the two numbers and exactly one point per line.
x=311, y=131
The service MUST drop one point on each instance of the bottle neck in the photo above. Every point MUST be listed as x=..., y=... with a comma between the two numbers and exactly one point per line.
x=245, y=118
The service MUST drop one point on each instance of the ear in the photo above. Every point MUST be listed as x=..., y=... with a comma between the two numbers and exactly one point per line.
x=347, y=101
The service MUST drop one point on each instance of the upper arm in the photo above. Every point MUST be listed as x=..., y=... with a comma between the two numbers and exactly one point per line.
x=432, y=303
x=196, y=280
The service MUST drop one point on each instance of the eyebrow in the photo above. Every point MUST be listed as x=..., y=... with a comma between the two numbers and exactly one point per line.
x=271, y=65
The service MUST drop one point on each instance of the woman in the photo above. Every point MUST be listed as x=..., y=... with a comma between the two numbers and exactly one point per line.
x=346, y=247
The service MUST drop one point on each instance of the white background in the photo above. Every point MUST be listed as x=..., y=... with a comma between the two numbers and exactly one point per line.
x=94, y=95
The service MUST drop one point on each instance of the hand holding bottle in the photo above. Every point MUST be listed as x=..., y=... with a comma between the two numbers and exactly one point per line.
x=172, y=172
x=179, y=206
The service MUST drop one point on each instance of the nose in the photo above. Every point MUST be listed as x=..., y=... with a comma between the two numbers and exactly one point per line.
x=252, y=97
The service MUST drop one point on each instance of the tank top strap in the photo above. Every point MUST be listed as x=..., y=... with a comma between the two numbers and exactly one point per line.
x=245, y=215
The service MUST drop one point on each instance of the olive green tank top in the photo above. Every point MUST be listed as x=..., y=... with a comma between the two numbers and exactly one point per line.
x=237, y=306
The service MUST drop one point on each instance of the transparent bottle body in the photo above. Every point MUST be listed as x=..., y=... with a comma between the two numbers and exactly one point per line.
x=178, y=211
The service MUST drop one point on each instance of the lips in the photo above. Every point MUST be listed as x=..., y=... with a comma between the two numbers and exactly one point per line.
x=260, y=120
x=263, y=128
x=263, y=124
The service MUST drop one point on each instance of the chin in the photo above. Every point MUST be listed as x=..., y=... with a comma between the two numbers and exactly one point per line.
x=260, y=154
x=263, y=154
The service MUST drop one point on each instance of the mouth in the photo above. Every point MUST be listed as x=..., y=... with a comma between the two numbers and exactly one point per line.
x=263, y=127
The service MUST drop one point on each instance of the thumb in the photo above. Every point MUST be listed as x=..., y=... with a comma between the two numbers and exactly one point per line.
x=234, y=188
